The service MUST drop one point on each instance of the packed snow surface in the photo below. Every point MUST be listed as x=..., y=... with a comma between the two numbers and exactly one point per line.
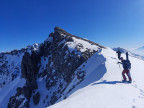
x=102, y=86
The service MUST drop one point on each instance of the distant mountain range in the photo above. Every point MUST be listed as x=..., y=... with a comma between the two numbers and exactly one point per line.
x=141, y=48
x=139, y=51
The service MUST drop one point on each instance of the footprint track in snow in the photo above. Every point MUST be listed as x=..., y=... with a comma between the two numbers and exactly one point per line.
x=141, y=92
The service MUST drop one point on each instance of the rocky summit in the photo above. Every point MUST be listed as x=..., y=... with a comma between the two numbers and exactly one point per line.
x=40, y=74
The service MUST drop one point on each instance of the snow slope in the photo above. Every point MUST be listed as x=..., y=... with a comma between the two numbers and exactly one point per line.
x=102, y=86
x=9, y=90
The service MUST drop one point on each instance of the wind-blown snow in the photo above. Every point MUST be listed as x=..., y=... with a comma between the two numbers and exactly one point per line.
x=107, y=91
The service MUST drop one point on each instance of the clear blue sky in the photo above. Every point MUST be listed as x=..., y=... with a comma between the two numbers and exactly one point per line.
x=108, y=22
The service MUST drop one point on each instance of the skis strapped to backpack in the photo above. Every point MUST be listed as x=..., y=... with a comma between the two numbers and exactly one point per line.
x=128, y=64
x=127, y=56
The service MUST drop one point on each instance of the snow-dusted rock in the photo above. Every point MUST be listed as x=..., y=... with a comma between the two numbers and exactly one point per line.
x=52, y=63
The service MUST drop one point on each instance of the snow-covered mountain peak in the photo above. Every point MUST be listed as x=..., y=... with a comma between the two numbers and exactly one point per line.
x=52, y=64
x=58, y=29
x=68, y=70
x=60, y=36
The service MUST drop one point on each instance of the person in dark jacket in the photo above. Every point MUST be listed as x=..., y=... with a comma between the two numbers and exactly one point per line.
x=126, y=66
x=119, y=54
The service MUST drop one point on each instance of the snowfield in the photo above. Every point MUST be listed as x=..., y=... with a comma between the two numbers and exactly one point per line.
x=102, y=86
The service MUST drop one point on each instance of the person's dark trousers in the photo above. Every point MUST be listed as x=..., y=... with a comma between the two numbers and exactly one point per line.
x=126, y=71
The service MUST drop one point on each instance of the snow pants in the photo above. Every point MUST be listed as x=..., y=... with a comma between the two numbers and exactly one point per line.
x=126, y=71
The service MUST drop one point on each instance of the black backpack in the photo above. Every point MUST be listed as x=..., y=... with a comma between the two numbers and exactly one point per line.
x=126, y=64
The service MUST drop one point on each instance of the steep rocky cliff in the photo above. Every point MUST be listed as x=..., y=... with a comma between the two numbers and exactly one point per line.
x=47, y=68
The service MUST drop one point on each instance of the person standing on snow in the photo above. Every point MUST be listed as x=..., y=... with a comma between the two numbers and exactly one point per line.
x=119, y=54
x=126, y=66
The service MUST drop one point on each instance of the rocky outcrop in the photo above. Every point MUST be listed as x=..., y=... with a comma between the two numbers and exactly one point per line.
x=29, y=66
x=18, y=100
x=54, y=62
x=29, y=70
x=36, y=98
x=64, y=60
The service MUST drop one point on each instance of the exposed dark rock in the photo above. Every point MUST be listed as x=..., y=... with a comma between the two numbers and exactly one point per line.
x=19, y=91
x=33, y=85
x=53, y=99
x=36, y=98
x=27, y=92
x=26, y=104
x=30, y=72
x=44, y=73
x=14, y=103
x=30, y=66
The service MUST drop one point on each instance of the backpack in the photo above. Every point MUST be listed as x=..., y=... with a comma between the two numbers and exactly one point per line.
x=126, y=64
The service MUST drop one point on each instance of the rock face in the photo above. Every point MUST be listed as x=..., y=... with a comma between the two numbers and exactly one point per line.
x=50, y=66
x=36, y=98
x=29, y=66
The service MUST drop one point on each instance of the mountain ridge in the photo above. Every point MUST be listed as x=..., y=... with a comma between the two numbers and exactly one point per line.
x=108, y=91
x=68, y=71
x=51, y=63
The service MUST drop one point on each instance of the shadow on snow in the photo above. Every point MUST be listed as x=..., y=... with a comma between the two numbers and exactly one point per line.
x=107, y=82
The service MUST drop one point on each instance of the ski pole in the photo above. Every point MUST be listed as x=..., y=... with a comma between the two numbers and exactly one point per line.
x=119, y=66
x=120, y=69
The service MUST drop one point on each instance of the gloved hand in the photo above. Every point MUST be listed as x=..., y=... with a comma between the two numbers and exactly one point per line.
x=119, y=62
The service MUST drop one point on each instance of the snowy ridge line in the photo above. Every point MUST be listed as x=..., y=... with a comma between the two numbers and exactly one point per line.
x=92, y=43
x=28, y=48
x=87, y=71
x=66, y=34
x=108, y=91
